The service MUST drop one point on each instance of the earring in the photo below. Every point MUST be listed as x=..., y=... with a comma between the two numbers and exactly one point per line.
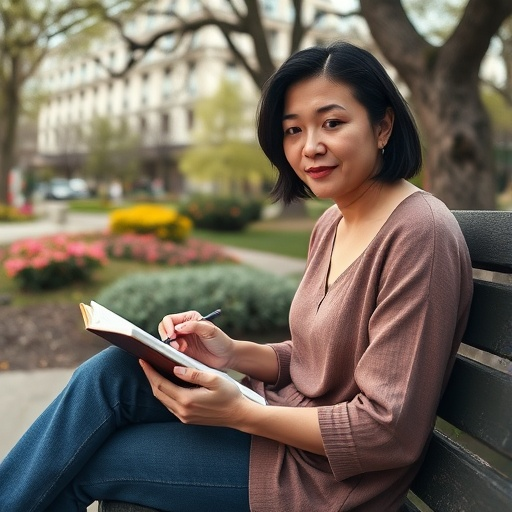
x=382, y=150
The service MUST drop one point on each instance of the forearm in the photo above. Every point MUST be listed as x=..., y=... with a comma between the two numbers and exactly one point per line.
x=294, y=426
x=255, y=360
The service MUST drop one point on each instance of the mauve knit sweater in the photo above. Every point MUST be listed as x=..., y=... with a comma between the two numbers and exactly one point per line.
x=373, y=352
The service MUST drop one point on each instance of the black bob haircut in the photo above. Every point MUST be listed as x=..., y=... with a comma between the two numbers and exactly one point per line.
x=350, y=65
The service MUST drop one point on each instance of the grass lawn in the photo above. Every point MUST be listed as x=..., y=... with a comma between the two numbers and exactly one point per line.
x=287, y=243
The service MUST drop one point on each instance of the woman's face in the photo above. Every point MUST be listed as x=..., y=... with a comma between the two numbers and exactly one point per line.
x=329, y=140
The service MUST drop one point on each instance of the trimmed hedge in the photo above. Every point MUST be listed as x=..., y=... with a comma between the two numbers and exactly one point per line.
x=222, y=213
x=252, y=301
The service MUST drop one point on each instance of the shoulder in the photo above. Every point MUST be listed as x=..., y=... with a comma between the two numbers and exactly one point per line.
x=423, y=232
x=423, y=215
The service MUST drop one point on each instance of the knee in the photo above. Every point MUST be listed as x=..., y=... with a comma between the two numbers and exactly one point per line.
x=108, y=365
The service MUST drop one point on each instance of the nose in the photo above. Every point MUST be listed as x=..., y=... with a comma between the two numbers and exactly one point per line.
x=313, y=146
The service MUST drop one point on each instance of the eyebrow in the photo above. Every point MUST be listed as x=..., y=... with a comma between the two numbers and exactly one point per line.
x=321, y=110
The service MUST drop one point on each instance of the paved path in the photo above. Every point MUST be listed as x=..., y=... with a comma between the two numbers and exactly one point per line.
x=24, y=395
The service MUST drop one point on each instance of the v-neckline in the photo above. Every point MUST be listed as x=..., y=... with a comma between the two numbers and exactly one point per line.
x=333, y=234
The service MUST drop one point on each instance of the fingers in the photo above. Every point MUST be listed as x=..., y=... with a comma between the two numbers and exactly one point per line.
x=166, y=328
x=209, y=402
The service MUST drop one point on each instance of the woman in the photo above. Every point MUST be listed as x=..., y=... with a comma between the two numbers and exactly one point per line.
x=375, y=325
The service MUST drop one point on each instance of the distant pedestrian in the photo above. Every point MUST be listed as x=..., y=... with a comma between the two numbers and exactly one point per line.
x=115, y=192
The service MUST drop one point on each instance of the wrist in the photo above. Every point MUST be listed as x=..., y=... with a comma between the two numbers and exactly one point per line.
x=234, y=359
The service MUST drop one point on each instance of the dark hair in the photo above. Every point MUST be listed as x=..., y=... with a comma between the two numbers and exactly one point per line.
x=371, y=86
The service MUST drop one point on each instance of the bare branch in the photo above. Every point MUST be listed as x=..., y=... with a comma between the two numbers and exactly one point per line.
x=325, y=12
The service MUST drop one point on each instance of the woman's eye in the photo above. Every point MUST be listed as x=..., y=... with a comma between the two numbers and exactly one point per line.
x=332, y=123
x=292, y=130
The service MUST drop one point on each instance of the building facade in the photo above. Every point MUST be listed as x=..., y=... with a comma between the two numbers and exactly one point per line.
x=155, y=99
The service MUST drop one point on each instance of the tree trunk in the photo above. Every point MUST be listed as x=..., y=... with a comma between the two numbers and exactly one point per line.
x=459, y=164
x=8, y=127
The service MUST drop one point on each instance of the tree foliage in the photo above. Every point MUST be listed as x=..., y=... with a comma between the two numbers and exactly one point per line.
x=221, y=153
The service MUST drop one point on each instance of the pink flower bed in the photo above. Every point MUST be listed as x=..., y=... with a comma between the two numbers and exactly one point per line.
x=52, y=262
x=56, y=261
x=150, y=249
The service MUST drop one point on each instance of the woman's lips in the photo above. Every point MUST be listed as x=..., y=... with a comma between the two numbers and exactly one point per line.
x=319, y=172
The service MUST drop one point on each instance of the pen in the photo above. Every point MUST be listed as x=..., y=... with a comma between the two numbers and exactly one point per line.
x=209, y=316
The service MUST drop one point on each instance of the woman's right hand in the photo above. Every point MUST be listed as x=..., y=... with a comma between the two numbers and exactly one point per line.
x=197, y=338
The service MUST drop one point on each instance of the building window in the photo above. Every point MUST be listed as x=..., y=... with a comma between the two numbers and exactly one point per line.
x=112, y=60
x=191, y=80
x=166, y=84
x=165, y=123
x=143, y=124
x=144, y=89
x=83, y=72
x=232, y=72
x=109, y=97
x=126, y=94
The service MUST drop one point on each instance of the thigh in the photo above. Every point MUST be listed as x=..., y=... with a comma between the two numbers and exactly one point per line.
x=172, y=467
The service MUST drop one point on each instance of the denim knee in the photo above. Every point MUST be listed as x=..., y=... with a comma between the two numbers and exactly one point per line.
x=111, y=373
x=111, y=363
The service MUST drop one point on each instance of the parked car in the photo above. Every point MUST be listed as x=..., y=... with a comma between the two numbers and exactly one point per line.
x=63, y=189
x=56, y=188
x=79, y=188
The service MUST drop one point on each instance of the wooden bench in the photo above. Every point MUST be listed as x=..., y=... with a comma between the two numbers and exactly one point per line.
x=468, y=466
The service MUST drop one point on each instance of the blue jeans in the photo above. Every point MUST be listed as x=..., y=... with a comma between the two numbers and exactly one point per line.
x=107, y=437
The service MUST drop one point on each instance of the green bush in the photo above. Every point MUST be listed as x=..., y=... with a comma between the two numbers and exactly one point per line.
x=251, y=300
x=222, y=213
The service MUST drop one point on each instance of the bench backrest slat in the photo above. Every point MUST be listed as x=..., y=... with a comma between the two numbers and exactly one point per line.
x=475, y=387
x=490, y=321
x=453, y=480
x=489, y=238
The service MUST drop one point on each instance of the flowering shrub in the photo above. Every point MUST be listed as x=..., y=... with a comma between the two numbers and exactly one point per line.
x=52, y=262
x=149, y=249
x=165, y=223
x=222, y=214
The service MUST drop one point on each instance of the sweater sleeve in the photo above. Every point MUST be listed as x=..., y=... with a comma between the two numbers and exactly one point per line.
x=412, y=326
x=284, y=354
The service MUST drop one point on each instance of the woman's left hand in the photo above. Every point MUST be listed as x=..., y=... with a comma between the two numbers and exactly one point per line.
x=215, y=402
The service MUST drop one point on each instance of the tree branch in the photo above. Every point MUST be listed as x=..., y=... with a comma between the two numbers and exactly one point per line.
x=396, y=37
x=464, y=50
